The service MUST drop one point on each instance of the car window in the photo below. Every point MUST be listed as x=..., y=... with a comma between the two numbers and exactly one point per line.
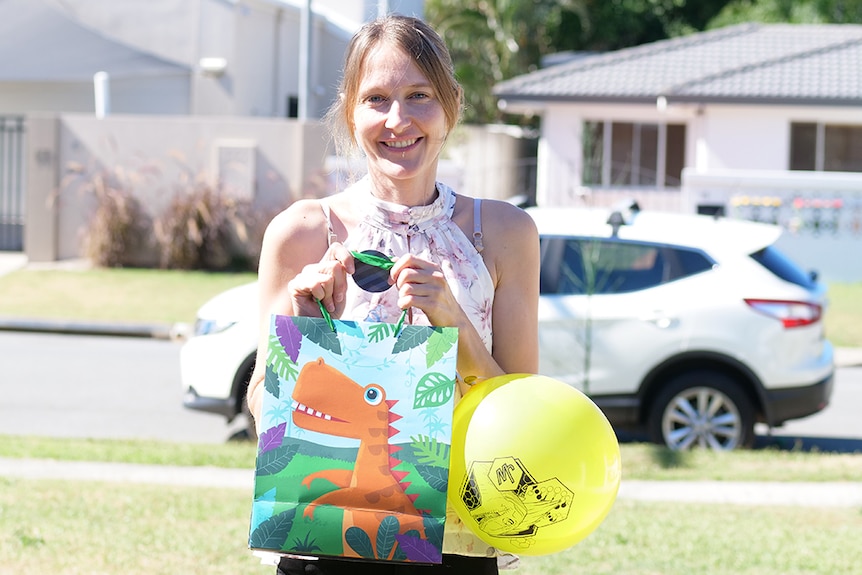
x=594, y=266
x=775, y=261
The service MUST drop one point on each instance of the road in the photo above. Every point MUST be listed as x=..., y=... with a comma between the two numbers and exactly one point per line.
x=115, y=387
x=99, y=387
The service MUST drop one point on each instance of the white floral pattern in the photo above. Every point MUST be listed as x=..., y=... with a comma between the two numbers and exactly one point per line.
x=429, y=233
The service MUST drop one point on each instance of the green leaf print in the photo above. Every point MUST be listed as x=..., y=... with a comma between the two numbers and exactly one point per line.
x=272, y=533
x=379, y=332
x=412, y=336
x=275, y=460
x=386, y=536
x=440, y=342
x=429, y=451
x=359, y=542
x=317, y=331
x=433, y=390
x=279, y=362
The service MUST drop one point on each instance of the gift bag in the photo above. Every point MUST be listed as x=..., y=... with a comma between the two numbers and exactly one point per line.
x=353, y=454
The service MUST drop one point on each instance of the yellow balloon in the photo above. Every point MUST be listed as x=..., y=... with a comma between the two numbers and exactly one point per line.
x=535, y=466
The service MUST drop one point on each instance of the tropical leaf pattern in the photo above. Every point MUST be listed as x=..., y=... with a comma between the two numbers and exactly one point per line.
x=319, y=333
x=439, y=342
x=433, y=390
x=280, y=362
x=275, y=460
x=359, y=541
x=386, y=533
x=429, y=451
x=412, y=336
x=289, y=336
x=272, y=533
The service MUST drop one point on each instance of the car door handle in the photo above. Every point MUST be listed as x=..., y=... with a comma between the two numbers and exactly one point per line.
x=660, y=320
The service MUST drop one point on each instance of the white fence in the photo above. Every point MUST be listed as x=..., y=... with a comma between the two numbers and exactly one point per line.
x=821, y=212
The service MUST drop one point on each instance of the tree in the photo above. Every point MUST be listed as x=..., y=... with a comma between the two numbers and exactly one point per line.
x=492, y=40
x=792, y=11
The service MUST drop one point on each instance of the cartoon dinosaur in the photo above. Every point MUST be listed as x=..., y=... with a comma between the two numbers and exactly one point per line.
x=327, y=401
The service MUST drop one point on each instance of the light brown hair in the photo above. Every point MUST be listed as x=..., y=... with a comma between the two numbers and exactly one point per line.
x=415, y=38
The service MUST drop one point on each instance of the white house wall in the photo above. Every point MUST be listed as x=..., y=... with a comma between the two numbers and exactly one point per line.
x=745, y=138
x=718, y=137
x=560, y=155
x=164, y=95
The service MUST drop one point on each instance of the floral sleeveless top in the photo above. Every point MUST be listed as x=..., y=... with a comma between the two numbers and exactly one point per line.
x=427, y=232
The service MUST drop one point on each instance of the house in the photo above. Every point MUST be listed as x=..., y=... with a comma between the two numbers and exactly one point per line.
x=746, y=97
x=233, y=88
x=209, y=57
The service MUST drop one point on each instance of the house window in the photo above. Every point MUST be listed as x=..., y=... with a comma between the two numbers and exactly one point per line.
x=620, y=154
x=825, y=147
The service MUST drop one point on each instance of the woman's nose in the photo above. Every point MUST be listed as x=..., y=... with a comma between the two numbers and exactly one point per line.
x=397, y=116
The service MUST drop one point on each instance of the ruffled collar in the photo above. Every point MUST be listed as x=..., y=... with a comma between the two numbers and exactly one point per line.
x=403, y=220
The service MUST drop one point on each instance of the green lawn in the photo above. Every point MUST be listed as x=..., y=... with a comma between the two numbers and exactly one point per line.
x=72, y=528
x=124, y=295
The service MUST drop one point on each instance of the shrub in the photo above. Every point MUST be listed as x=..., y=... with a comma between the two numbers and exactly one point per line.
x=203, y=228
x=117, y=234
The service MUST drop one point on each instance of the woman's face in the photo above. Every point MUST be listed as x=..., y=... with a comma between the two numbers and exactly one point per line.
x=398, y=120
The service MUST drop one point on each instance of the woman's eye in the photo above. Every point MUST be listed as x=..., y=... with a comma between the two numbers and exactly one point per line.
x=375, y=99
x=420, y=96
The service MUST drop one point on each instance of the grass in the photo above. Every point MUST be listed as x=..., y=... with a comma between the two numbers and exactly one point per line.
x=170, y=296
x=69, y=527
x=124, y=295
x=640, y=461
x=639, y=538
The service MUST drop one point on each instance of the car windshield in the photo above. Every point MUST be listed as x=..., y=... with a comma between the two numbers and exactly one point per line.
x=772, y=259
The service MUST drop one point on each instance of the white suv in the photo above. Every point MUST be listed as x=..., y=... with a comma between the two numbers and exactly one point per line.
x=691, y=328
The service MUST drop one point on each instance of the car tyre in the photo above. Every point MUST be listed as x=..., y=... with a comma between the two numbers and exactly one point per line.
x=702, y=409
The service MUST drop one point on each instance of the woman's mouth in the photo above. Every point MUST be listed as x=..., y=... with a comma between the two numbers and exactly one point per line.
x=400, y=145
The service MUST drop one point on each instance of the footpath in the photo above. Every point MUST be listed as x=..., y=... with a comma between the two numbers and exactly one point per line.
x=809, y=494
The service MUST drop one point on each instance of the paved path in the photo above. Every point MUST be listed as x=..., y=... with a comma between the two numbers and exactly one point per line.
x=810, y=494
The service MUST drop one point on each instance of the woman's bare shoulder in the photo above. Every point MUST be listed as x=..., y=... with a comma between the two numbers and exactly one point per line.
x=507, y=220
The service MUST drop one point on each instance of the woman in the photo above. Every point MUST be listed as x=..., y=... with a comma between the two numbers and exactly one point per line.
x=460, y=262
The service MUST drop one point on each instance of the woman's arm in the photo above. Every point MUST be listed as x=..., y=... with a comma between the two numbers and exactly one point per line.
x=296, y=269
x=512, y=257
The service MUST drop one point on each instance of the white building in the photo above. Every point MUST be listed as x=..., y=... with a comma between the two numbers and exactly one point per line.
x=199, y=57
x=774, y=97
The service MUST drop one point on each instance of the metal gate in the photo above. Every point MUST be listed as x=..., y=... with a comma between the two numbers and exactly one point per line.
x=11, y=183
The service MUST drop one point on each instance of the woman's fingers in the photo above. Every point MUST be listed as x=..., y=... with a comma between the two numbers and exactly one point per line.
x=421, y=284
x=324, y=281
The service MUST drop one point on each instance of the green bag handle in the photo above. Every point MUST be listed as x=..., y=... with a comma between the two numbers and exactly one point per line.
x=383, y=263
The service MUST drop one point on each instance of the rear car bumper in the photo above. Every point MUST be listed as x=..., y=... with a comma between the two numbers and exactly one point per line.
x=794, y=402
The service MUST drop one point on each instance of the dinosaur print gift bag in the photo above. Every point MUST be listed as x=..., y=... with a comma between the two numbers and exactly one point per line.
x=353, y=459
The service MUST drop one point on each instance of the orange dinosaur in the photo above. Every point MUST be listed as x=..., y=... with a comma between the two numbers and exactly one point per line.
x=327, y=401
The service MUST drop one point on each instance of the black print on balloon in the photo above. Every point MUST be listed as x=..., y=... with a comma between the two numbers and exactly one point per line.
x=506, y=501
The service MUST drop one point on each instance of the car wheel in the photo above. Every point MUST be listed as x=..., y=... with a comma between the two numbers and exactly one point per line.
x=251, y=432
x=702, y=409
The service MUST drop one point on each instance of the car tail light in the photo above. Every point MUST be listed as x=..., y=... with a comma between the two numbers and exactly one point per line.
x=789, y=313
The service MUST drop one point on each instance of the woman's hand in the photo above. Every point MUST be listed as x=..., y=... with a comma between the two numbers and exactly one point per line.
x=325, y=281
x=421, y=284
